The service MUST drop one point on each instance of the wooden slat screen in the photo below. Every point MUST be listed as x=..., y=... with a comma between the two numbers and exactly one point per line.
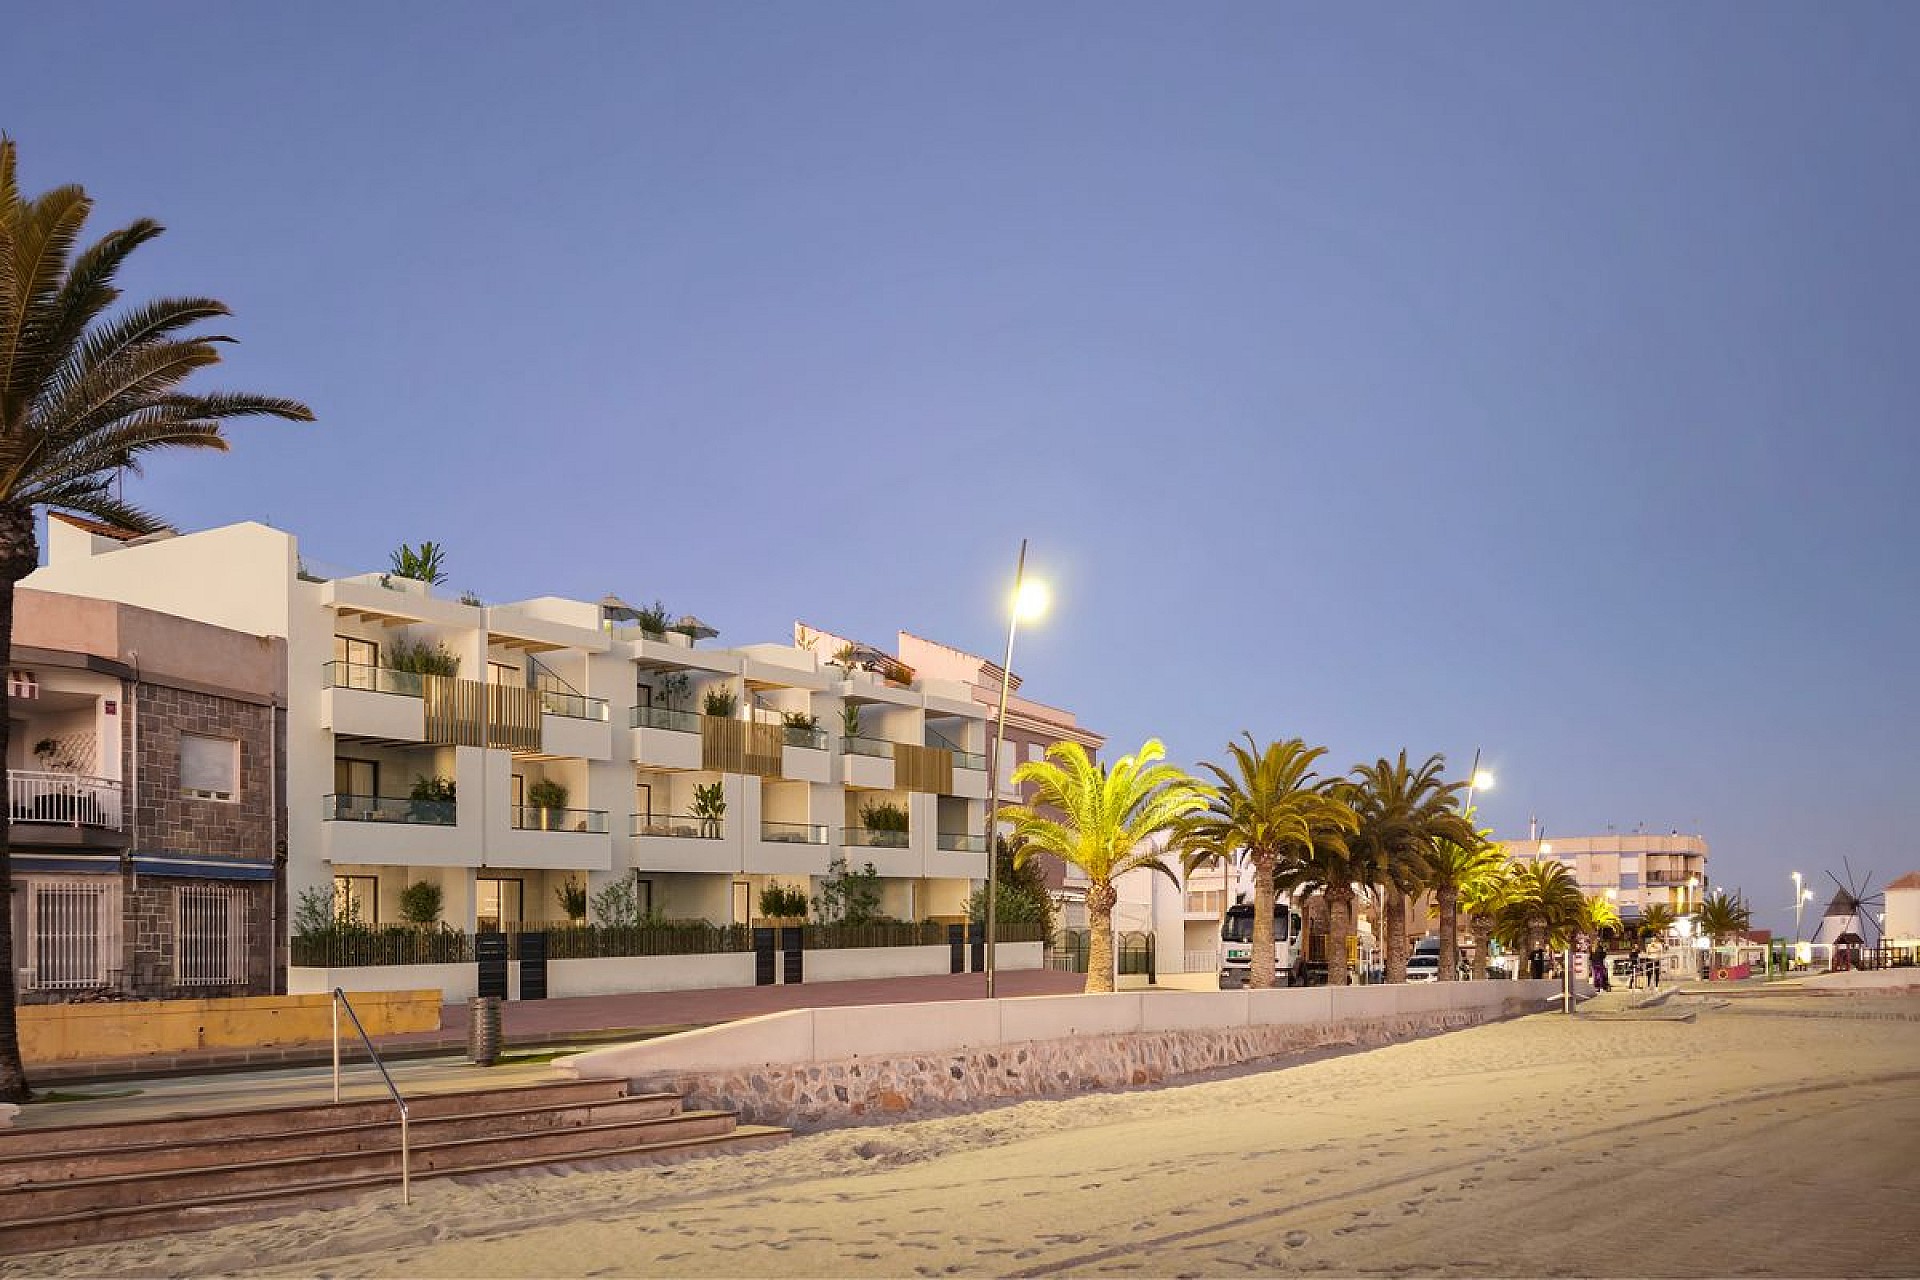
x=924, y=769
x=467, y=713
x=737, y=746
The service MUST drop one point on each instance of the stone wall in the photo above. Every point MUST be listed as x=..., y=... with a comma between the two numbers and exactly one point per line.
x=823, y=1094
x=150, y=941
x=164, y=820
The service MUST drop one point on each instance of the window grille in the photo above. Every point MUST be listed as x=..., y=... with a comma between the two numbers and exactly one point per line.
x=73, y=933
x=210, y=945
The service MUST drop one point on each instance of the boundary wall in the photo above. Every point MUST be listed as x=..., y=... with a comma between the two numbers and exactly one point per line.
x=817, y=1067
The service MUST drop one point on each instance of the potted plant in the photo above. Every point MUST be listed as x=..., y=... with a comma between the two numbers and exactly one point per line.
x=431, y=800
x=572, y=897
x=783, y=904
x=850, y=720
x=721, y=702
x=886, y=824
x=547, y=797
x=709, y=806
x=802, y=728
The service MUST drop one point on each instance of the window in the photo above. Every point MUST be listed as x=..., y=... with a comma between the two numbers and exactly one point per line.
x=643, y=896
x=209, y=767
x=210, y=944
x=504, y=673
x=72, y=933
x=357, y=899
x=357, y=778
x=357, y=652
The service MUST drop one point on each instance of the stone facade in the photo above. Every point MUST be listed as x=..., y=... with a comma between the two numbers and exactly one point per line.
x=150, y=939
x=167, y=821
x=823, y=1094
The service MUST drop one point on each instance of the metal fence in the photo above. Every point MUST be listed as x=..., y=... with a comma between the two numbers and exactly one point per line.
x=210, y=937
x=73, y=933
x=1133, y=952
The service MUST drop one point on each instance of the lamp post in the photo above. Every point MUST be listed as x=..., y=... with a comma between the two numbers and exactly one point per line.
x=1799, y=896
x=1030, y=601
x=1478, y=779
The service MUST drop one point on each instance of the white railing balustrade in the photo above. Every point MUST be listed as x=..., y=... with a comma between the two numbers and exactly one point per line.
x=70, y=799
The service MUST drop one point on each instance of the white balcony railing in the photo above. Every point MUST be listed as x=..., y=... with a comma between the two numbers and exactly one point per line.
x=66, y=799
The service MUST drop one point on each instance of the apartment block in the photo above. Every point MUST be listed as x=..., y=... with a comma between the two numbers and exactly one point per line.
x=1637, y=868
x=145, y=809
x=508, y=752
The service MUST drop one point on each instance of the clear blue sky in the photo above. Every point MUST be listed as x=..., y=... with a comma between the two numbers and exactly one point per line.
x=1510, y=376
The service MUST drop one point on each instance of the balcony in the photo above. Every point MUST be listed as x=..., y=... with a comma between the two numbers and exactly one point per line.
x=866, y=762
x=793, y=832
x=1209, y=903
x=788, y=849
x=350, y=808
x=531, y=818
x=666, y=718
x=873, y=838
x=807, y=739
x=678, y=826
x=64, y=808
x=951, y=842
x=664, y=738
x=682, y=842
x=1670, y=877
x=407, y=706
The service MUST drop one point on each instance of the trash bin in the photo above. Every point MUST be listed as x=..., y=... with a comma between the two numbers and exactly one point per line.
x=483, y=1030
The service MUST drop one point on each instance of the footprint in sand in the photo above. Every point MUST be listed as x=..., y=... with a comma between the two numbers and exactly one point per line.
x=1294, y=1239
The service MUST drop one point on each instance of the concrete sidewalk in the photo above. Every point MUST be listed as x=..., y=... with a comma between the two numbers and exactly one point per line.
x=529, y=1025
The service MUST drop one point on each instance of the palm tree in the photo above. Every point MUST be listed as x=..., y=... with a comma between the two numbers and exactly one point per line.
x=1269, y=803
x=1403, y=812
x=1452, y=868
x=1723, y=916
x=1484, y=897
x=1656, y=918
x=1543, y=907
x=1326, y=867
x=1106, y=824
x=83, y=394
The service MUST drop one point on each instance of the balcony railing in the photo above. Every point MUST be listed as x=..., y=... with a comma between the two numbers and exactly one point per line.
x=69, y=799
x=813, y=739
x=975, y=760
x=348, y=808
x=960, y=842
x=574, y=706
x=872, y=838
x=857, y=746
x=680, y=825
x=354, y=675
x=1206, y=902
x=666, y=718
x=528, y=817
x=1670, y=877
x=793, y=833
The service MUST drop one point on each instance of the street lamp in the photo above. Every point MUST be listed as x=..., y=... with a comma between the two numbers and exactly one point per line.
x=1029, y=601
x=1478, y=779
x=1799, y=896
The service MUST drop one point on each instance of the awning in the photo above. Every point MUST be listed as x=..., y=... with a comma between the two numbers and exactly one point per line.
x=150, y=864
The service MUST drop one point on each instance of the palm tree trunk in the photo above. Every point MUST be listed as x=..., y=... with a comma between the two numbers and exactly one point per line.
x=1482, y=926
x=1100, y=900
x=1394, y=921
x=1260, y=967
x=1339, y=933
x=19, y=556
x=1448, y=897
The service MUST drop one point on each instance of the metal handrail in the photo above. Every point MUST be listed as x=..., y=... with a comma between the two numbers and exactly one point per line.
x=339, y=1000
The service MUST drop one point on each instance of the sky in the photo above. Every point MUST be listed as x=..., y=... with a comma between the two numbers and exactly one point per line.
x=1534, y=380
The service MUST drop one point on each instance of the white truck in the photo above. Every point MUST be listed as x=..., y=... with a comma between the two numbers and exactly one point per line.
x=1236, y=945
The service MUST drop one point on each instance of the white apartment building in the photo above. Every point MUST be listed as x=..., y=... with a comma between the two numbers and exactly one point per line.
x=1637, y=868
x=564, y=747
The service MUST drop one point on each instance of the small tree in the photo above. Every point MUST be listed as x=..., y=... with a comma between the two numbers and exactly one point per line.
x=709, y=806
x=572, y=897
x=616, y=905
x=420, y=902
x=848, y=896
x=318, y=911
x=1020, y=892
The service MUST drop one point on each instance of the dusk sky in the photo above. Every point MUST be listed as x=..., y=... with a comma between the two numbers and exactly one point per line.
x=1529, y=378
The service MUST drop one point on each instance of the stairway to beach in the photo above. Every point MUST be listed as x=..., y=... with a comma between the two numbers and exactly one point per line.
x=61, y=1187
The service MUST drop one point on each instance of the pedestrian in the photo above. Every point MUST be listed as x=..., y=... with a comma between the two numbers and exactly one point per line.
x=1597, y=967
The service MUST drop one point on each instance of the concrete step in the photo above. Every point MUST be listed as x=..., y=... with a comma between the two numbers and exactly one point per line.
x=158, y=1186
x=70, y=1229
x=306, y=1141
x=240, y=1123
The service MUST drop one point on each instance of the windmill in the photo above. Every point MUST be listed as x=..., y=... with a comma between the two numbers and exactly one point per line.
x=1856, y=907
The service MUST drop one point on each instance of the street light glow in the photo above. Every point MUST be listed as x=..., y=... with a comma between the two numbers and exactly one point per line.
x=1546, y=848
x=1031, y=600
x=1483, y=781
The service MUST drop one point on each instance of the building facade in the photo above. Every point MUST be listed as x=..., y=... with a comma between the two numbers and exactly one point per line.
x=1637, y=869
x=145, y=807
x=516, y=756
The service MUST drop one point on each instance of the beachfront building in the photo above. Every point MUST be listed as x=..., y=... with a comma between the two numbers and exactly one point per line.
x=512, y=755
x=144, y=802
x=1637, y=869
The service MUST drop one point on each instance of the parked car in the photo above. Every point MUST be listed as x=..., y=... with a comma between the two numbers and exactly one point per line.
x=1424, y=964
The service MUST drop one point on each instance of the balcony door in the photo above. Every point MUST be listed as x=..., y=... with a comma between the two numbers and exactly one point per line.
x=498, y=903
x=359, y=779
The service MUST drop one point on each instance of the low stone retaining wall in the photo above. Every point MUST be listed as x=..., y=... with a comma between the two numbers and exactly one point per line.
x=130, y=1028
x=822, y=1094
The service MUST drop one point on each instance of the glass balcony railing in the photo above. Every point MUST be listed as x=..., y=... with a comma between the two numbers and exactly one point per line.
x=574, y=706
x=354, y=675
x=872, y=838
x=793, y=833
x=975, y=760
x=666, y=718
x=876, y=747
x=813, y=739
x=530, y=818
x=679, y=825
x=431, y=813
x=960, y=843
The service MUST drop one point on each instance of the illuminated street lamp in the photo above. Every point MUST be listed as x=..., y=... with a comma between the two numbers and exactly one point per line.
x=1478, y=779
x=1029, y=602
x=1800, y=897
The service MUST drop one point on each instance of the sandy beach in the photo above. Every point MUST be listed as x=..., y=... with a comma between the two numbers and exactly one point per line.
x=1769, y=1137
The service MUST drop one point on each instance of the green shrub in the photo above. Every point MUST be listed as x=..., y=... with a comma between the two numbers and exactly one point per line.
x=721, y=702
x=420, y=902
x=572, y=897
x=784, y=901
x=422, y=658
